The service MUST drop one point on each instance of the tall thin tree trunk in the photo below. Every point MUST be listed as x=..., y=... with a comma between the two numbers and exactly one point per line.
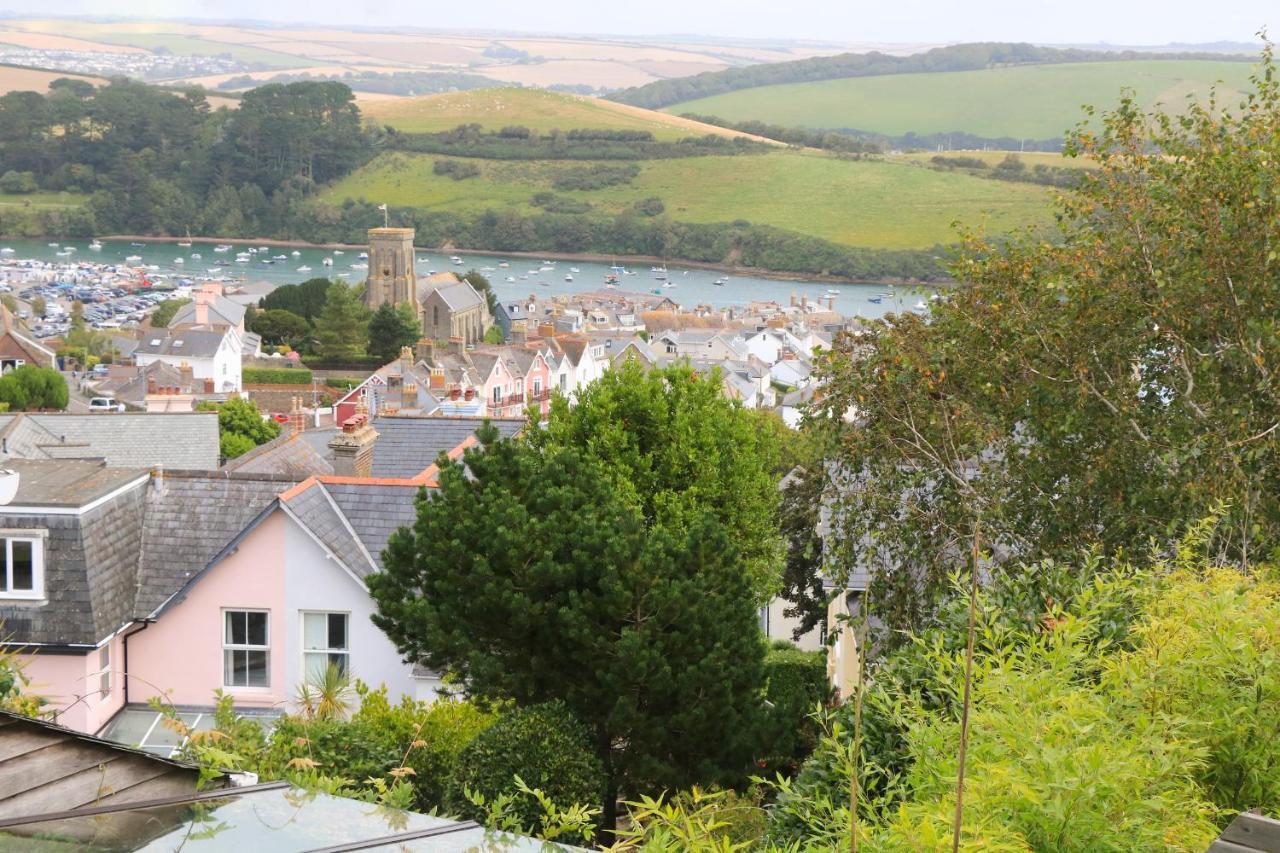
x=968, y=682
x=605, y=834
x=854, y=785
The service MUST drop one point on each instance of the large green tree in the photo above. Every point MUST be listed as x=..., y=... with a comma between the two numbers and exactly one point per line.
x=242, y=427
x=674, y=446
x=1098, y=389
x=533, y=574
x=392, y=328
x=31, y=388
x=278, y=326
x=340, y=328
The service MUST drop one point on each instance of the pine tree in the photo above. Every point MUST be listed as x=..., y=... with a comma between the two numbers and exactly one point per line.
x=532, y=576
x=391, y=328
x=340, y=328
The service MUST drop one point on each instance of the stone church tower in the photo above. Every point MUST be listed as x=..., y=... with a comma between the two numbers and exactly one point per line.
x=391, y=277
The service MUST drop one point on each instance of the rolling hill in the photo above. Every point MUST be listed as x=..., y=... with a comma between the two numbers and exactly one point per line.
x=1029, y=101
x=536, y=109
x=865, y=204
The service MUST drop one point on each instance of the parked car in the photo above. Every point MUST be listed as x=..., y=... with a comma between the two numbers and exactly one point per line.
x=280, y=418
x=105, y=404
x=101, y=370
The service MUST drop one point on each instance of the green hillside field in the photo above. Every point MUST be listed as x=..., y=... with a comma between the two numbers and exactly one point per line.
x=1032, y=102
x=536, y=109
x=853, y=203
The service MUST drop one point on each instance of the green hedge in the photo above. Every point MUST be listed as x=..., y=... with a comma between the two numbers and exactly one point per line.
x=545, y=745
x=342, y=383
x=795, y=684
x=276, y=376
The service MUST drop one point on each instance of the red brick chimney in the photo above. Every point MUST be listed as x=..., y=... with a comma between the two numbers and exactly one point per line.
x=353, y=447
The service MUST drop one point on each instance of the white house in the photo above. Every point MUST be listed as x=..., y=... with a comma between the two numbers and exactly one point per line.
x=214, y=355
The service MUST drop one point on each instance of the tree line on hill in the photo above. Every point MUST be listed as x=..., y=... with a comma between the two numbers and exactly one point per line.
x=156, y=161
x=960, y=57
x=518, y=142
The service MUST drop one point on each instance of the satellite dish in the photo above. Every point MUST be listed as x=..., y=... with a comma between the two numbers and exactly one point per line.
x=8, y=486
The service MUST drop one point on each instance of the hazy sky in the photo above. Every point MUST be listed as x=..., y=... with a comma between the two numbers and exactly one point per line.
x=1044, y=21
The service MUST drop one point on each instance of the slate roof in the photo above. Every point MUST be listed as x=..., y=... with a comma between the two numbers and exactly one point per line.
x=408, y=445
x=182, y=440
x=459, y=296
x=375, y=511
x=288, y=454
x=89, y=558
x=189, y=343
x=190, y=520
x=315, y=509
x=221, y=311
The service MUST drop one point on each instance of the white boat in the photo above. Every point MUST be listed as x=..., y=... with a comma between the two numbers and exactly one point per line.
x=343, y=274
x=719, y=282
x=920, y=306
x=503, y=265
x=96, y=245
x=282, y=257
x=53, y=245
x=359, y=266
x=64, y=253
x=511, y=279
x=304, y=268
x=455, y=259
x=6, y=251
x=364, y=256
x=179, y=260
x=221, y=247
x=338, y=252
x=195, y=256
x=186, y=244
x=295, y=253
x=831, y=292
x=133, y=259
x=546, y=268
x=252, y=251
x=328, y=262
x=668, y=284
x=574, y=269
x=568, y=277
x=264, y=249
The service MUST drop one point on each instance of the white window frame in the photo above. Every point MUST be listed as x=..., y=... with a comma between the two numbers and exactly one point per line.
x=244, y=647
x=104, y=671
x=36, y=538
x=302, y=639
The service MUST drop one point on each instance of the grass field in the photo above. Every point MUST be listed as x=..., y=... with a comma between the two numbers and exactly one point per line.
x=43, y=200
x=1032, y=102
x=857, y=203
x=536, y=109
x=17, y=79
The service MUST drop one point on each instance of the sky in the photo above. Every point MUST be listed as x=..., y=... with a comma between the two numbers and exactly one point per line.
x=1138, y=22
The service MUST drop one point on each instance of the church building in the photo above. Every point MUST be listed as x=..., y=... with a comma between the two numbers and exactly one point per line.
x=446, y=306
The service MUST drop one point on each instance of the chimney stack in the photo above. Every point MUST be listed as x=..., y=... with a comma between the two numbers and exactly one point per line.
x=437, y=379
x=408, y=385
x=203, y=299
x=519, y=332
x=353, y=447
x=458, y=344
x=187, y=375
x=152, y=386
x=295, y=416
x=793, y=300
x=426, y=351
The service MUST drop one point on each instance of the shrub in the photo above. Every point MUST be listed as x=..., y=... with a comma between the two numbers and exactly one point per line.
x=378, y=738
x=595, y=177
x=342, y=383
x=545, y=745
x=276, y=376
x=795, y=686
x=456, y=169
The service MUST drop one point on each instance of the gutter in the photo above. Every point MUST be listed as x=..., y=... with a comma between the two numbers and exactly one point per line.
x=124, y=642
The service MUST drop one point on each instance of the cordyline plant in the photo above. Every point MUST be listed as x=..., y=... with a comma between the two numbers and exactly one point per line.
x=1100, y=387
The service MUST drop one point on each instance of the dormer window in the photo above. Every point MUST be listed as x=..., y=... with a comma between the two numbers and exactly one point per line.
x=22, y=569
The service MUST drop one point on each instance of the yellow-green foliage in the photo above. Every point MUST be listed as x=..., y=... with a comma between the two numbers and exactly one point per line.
x=1207, y=666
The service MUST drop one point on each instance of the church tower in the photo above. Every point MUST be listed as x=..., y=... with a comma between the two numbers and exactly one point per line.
x=391, y=277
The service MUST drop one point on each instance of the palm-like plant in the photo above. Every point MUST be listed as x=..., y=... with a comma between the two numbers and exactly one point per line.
x=327, y=695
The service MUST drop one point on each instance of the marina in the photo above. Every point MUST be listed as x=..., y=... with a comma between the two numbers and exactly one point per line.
x=164, y=264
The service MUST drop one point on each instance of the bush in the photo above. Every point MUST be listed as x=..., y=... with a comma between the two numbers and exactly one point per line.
x=18, y=182
x=545, y=745
x=795, y=686
x=596, y=177
x=378, y=738
x=456, y=169
x=342, y=383
x=32, y=388
x=276, y=376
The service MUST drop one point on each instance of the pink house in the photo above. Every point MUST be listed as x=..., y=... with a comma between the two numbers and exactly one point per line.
x=121, y=585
